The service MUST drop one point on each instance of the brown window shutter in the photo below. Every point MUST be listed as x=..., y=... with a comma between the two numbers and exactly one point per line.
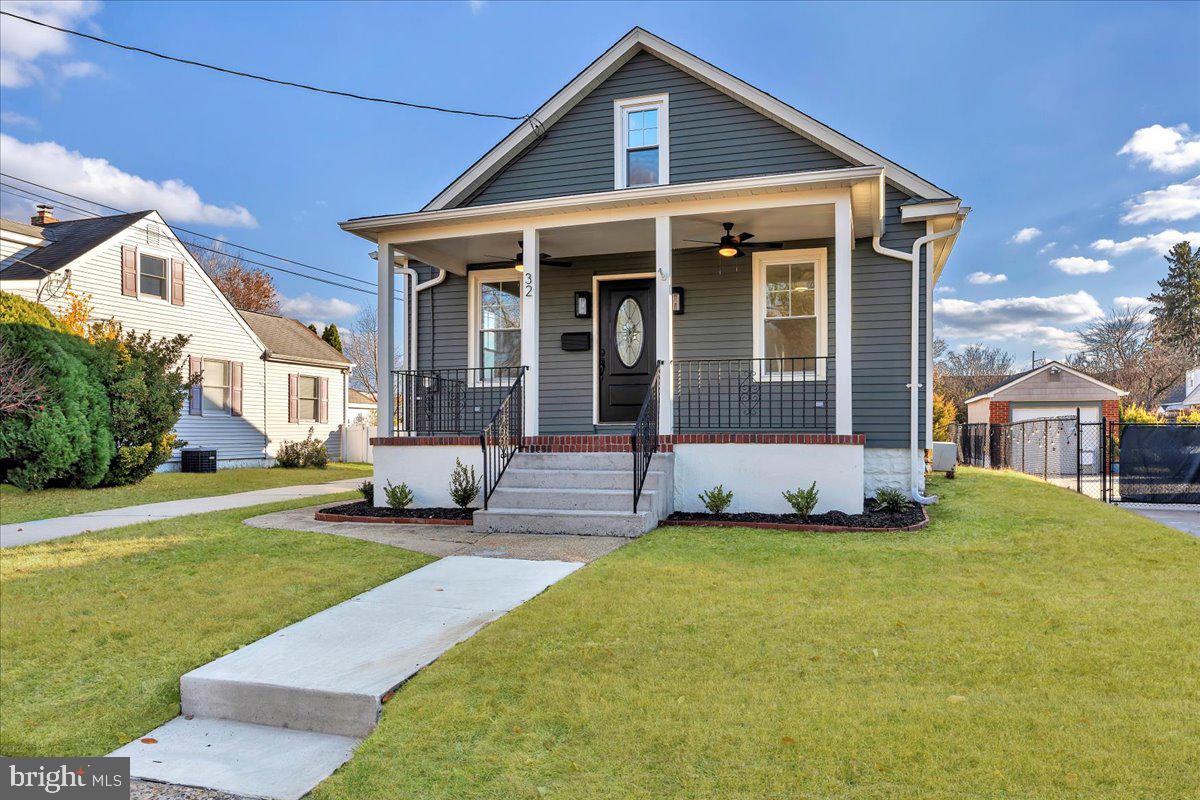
x=176, y=282
x=128, y=271
x=323, y=412
x=235, y=388
x=195, y=396
x=292, y=411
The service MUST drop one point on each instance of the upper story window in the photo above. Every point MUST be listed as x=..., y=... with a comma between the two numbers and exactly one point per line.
x=790, y=306
x=495, y=314
x=642, y=141
x=152, y=275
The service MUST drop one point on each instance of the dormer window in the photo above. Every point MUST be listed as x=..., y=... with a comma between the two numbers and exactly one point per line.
x=642, y=141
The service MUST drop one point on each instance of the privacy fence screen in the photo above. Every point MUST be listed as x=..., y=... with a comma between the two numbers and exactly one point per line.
x=1107, y=461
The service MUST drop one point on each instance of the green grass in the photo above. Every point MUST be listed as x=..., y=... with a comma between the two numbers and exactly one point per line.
x=96, y=630
x=19, y=506
x=1031, y=643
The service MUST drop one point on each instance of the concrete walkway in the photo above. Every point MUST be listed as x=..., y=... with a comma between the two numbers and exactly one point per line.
x=43, y=530
x=278, y=716
x=1183, y=518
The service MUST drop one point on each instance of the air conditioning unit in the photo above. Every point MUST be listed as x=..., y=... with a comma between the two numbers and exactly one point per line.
x=198, y=460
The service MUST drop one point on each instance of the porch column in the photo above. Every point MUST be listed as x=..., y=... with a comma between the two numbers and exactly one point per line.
x=843, y=244
x=385, y=395
x=531, y=289
x=664, y=324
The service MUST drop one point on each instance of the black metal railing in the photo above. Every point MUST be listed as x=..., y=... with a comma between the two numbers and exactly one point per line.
x=450, y=401
x=504, y=435
x=754, y=394
x=643, y=441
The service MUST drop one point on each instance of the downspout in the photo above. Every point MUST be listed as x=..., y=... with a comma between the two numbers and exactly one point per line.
x=410, y=308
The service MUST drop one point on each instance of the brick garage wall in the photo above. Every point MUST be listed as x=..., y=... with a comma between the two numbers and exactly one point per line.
x=999, y=413
x=1111, y=410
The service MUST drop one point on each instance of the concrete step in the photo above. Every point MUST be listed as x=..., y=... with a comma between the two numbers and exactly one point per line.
x=577, y=499
x=583, y=461
x=521, y=478
x=581, y=522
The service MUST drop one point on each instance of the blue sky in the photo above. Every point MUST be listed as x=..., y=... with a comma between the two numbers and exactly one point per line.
x=1021, y=109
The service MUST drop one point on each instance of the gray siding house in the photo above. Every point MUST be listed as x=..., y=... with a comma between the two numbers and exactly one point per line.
x=663, y=280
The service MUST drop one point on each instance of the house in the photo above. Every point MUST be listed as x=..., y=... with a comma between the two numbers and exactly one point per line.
x=665, y=279
x=265, y=379
x=1183, y=396
x=1050, y=390
x=360, y=408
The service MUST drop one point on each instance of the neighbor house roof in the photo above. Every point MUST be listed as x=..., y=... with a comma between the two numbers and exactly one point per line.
x=360, y=398
x=638, y=40
x=20, y=227
x=287, y=339
x=1013, y=380
x=65, y=241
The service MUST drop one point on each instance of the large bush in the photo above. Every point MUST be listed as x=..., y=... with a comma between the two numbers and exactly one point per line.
x=66, y=437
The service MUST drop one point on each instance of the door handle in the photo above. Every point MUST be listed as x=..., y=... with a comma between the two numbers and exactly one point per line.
x=603, y=362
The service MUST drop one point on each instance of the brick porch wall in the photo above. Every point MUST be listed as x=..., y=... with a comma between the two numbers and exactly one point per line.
x=619, y=443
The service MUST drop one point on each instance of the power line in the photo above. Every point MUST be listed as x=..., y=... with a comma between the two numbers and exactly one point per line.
x=185, y=230
x=238, y=73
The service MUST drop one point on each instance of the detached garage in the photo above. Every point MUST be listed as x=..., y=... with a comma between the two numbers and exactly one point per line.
x=1049, y=391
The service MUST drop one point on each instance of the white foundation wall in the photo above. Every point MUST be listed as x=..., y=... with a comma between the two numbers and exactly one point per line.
x=757, y=474
x=886, y=467
x=426, y=470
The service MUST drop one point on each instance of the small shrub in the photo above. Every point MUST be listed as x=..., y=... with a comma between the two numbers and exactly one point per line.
x=308, y=453
x=398, y=497
x=803, y=501
x=716, y=499
x=893, y=501
x=367, y=490
x=1190, y=416
x=464, y=485
x=1139, y=414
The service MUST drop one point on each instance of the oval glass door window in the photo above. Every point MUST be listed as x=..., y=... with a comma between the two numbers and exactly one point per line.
x=630, y=330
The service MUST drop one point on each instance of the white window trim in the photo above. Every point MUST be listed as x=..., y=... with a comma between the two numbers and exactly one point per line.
x=157, y=252
x=316, y=419
x=621, y=109
x=228, y=411
x=474, y=315
x=819, y=256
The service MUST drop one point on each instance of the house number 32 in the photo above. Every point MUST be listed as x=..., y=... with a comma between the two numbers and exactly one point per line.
x=528, y=285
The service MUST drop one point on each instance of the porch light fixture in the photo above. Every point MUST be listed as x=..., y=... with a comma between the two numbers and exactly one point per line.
x=676, y=299
x=727, y=250
x=583, y=305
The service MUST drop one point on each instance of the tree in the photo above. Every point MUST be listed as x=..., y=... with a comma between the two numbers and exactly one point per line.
x=361, y=346
x=944, y=415
x=958, y=376
x=1130, y=351
x=312, y=327
x=332, y=337
x=977, y=360
x=1176, y=304
x=246, y=287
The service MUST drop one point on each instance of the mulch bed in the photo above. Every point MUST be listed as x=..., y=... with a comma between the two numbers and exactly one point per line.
x=362, y=511
x=911, y=519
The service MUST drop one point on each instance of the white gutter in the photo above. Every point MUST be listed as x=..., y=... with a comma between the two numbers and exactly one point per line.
x=914, y=385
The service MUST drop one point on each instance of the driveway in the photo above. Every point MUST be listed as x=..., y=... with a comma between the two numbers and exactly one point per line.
x=1178, y=517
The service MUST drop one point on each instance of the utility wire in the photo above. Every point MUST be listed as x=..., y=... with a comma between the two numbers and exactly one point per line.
x=238, y=73
x=179, y=228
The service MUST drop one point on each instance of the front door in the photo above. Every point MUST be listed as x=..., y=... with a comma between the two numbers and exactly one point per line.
x=627, y=352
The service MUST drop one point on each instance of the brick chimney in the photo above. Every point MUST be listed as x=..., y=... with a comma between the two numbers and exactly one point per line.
x=44, y=216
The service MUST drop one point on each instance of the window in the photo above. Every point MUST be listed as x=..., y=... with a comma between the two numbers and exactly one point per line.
x=642, y=141
x=308, y=398
x=790, y=313
x=152, y=275
x=495, y=321
x=215, y=385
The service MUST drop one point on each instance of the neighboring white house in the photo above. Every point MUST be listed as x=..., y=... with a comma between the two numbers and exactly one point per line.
x=265, y=379
x=1184, y=396
x=361, y=408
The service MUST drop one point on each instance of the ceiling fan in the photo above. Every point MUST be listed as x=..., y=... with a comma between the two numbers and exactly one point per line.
x=732, y=245
x=518, y=263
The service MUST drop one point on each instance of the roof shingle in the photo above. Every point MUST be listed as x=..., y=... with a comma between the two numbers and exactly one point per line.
x=289, y=340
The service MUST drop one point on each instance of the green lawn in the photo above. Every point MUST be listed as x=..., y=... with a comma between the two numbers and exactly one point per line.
x=19, y=506
x=96, y=630
x=1031, y=643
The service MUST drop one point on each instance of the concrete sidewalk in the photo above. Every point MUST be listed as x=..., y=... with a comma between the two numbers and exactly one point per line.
x=278, y=716
x=1183, y=518
x=43, y=530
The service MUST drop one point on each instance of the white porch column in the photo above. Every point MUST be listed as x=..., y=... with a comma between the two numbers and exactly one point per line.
x=664, y=324
x=531, y=289
x=385, y=396
x=844, y=386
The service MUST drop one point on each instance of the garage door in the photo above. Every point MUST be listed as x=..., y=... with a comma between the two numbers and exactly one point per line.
x=1022, y=412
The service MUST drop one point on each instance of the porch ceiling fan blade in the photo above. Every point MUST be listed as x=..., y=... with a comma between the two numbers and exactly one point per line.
x=554, y=262
x=700, y=241
x=764, y=245
x=743, y=236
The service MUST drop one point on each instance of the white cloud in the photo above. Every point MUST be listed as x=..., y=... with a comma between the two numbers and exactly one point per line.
x=1123, y=302
x=476, y=5
x=313, y=308
x=1167, y=149
x=78, y=69
x=1025, y=235
x=944, y=289
x=24, y=48
x=13, y=118
x=1157, y=242
x=1041, y=320
x=1047, y=247
x=986, y=277
x=1175, y=202
x=1079, y=265
x=51, y=164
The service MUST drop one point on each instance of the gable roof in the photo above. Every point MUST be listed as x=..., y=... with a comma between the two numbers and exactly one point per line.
x=66, y=241
x=1013, y=380
x=23, y=228
x=288, y=339
x=360, y=398
x=638, y=40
